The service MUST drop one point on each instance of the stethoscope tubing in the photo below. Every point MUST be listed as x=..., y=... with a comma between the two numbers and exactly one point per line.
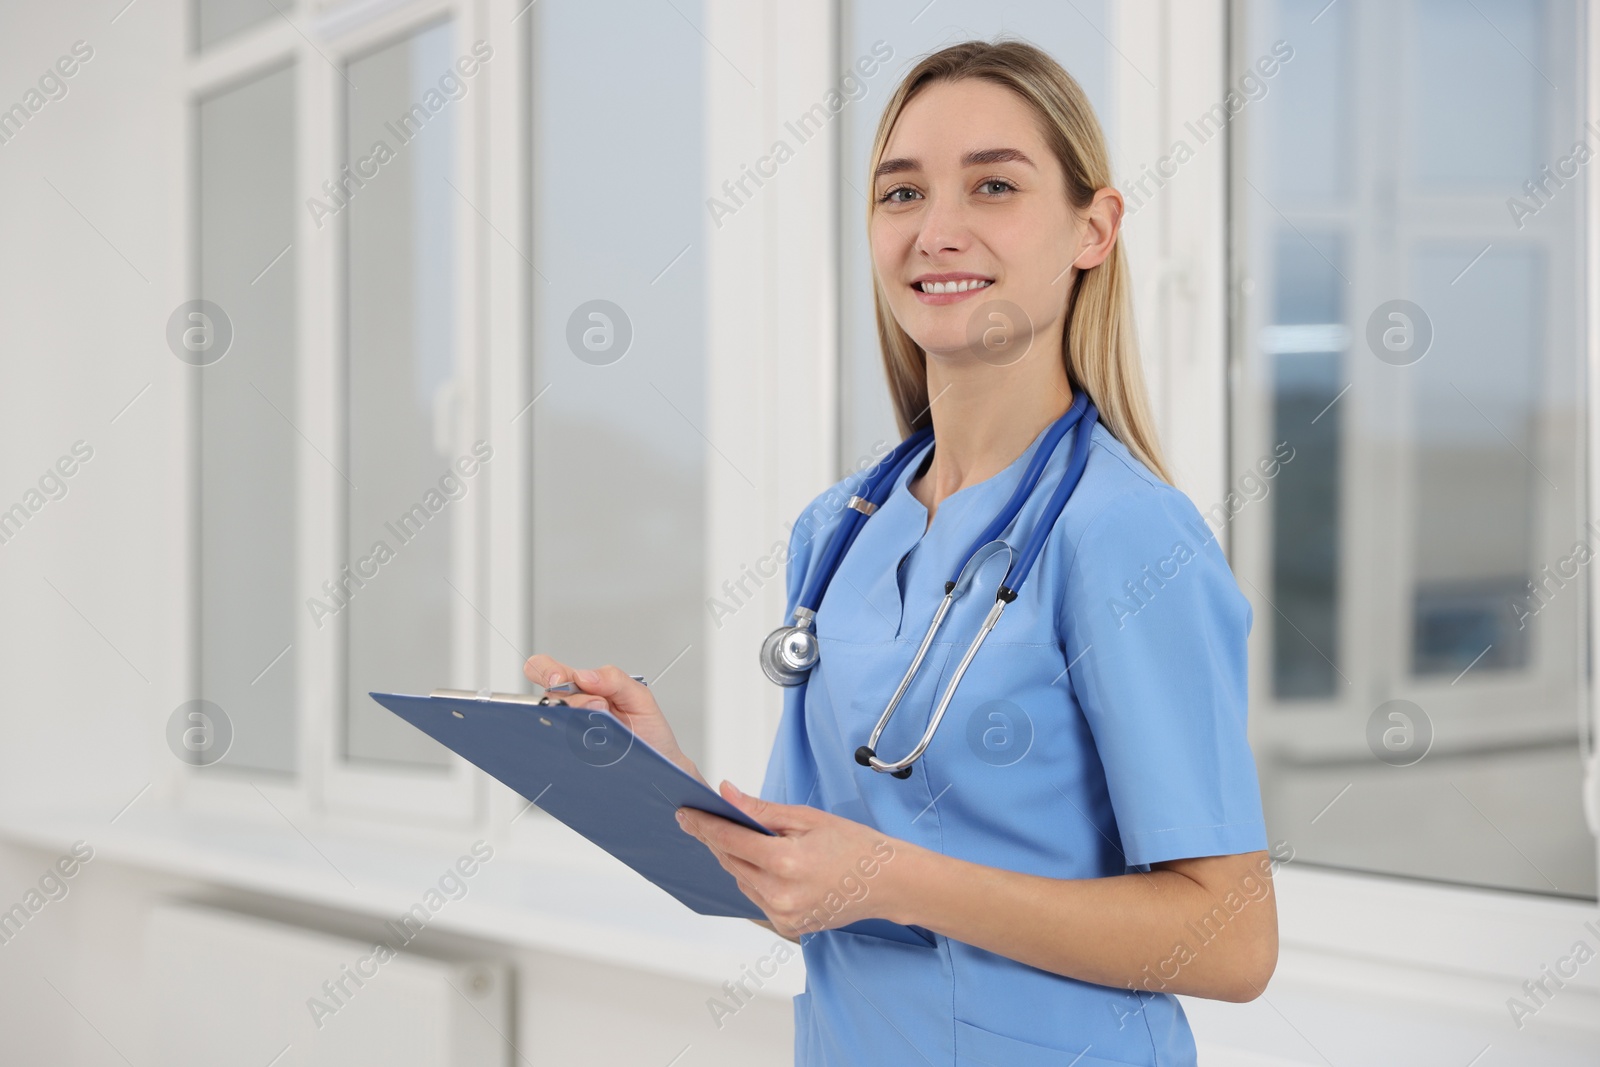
x=866, y=755
x=1025, y=487
x=873, y=491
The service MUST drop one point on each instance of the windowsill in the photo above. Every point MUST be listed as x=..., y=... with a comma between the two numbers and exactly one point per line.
x=1430, y=942
x=548, y=891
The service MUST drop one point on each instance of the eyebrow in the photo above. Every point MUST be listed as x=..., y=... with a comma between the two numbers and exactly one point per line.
x=978, y=157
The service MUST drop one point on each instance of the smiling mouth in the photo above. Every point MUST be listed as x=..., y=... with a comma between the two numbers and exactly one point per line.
x=963, y=286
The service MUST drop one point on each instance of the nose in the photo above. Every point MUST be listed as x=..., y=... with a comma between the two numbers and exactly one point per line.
x=943, y=226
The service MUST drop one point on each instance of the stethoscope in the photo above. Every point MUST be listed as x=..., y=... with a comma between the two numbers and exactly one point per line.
x=789, y=652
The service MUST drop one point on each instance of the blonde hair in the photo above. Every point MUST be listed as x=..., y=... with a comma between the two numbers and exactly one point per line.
x=1100, y=350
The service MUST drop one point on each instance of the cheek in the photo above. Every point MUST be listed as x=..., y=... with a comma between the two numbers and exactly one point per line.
x=888, y=249
x=889, y=267
x=1034, y=250
x=1036, y=262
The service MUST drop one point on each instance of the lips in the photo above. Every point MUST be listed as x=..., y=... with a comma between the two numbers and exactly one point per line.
x=949, y=288
x=950, y=282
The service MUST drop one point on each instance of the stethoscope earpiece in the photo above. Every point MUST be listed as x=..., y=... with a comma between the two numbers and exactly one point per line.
x=865, y=756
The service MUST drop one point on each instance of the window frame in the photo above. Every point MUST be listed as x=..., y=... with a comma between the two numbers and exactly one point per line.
x=317, y=45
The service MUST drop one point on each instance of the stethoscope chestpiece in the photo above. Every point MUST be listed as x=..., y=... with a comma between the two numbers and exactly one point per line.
x=865, y=755
x=788, y=654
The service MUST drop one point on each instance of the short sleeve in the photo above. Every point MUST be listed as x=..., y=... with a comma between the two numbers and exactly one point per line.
x=1155, y=632
x=808, y=536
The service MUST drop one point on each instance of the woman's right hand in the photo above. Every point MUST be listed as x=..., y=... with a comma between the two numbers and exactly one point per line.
x=611, y=689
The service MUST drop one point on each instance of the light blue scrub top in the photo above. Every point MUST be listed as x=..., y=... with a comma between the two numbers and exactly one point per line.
x=1134, y=754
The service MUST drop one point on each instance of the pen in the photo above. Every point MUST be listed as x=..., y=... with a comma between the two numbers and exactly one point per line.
x=570, y=687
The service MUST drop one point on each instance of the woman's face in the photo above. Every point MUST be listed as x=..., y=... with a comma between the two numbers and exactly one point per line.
x=967, y=189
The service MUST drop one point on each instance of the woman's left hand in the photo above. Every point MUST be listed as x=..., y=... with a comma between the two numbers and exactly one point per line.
x=818, y=873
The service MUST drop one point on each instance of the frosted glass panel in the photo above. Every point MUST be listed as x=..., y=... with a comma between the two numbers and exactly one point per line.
x=1479, y=71
x=247, y=444
x=1477, y=419
x=619, y=454
x=1304, y=343
x=1310, y=119
x=406, y=495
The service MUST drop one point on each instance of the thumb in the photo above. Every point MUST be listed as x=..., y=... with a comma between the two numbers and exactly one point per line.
x=766, y=812
x=613, y=684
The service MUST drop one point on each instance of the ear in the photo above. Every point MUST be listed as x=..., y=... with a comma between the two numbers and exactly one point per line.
x=1103, y=221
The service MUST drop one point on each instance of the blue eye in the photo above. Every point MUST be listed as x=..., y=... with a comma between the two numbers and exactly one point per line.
x=885, y=198
x=1001, y=182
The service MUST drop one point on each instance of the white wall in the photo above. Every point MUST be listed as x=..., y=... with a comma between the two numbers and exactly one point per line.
x=90, y=267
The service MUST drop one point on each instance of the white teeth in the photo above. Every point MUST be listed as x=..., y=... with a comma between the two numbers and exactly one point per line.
x=953, y=287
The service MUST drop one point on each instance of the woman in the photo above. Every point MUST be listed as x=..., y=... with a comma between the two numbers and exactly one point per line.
x=1083, y=836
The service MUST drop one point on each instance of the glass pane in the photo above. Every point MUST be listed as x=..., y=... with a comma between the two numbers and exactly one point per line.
x=1078, y=35
x=1306, y=343
x=1476, y=415
x=247, y=443
x=1413, y=330
x=619, y=217
x=1479, y=94
x=406, y=491
x=216, y=19
x=1310, y=120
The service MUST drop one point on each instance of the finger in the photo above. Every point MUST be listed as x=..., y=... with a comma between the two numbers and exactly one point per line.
x=753, y=896
x=625, y=698
x=734, y=865
x=772, y=815
x=544, y=671
x=614, y=683
x=740, y=841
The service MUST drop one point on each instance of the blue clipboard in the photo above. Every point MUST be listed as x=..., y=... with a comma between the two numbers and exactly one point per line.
x=586, y=768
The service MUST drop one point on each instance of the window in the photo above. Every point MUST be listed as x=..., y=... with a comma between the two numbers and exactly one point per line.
x=339, y=466
x=347, y=482
x=1407, y=231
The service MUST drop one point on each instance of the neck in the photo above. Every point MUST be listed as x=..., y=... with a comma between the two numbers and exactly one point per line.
x=984, y=417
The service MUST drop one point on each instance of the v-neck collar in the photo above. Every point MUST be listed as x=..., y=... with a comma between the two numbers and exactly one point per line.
x=1007, y=476
x=908, y=530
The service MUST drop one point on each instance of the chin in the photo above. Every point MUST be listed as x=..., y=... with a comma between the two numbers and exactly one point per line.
x=943, y=341
x=939, y=348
